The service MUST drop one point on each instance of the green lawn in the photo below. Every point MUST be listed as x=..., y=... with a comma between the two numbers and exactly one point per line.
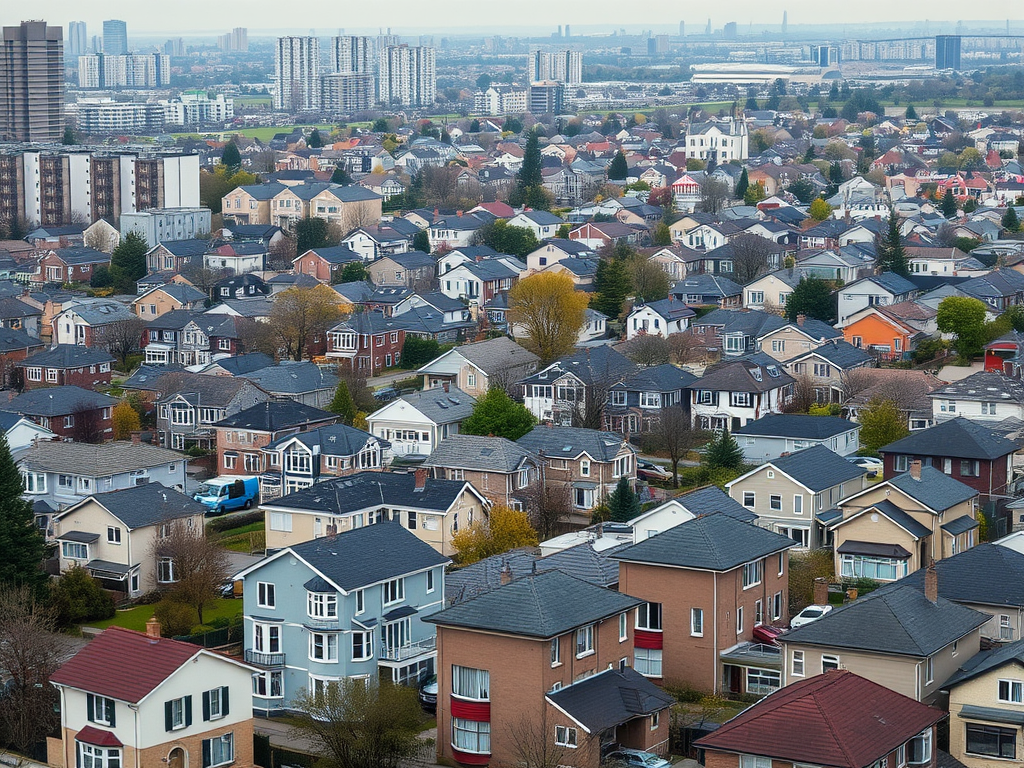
x=136, y=618
x=264, y=134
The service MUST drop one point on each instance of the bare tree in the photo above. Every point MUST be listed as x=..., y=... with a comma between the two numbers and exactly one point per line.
x=122, y=338
x=256, y=336
x=804, y=395
x=200, y=567
x=713, y=195
x=87, y=424
x=282, y=254
x=853, y=381
x=751, y=256
x=548, y=506
x=532, y=741
x=438, y=186
x=301, y=315
x=673, y=434
x=201, y=276
x=685, y=347
x=647, y=350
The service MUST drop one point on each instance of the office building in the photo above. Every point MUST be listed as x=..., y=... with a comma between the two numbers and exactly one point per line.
x=137, y=70
x=729, y=31
x=546, y=97
x=32, y=82
x=174, y=47
x=947, y=52
x=297, y=66
x=235, y=40
x=78, y=40
x=407, y=76
x=345, y=93
x=90, y=183
x=350, y=53
x=682, y=29
x=115, y=37
x=96, y=117
x=562, y=66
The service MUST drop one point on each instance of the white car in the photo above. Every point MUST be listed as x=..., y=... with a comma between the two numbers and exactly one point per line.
x=809, y=614
x=870, y=463
x=634, y=758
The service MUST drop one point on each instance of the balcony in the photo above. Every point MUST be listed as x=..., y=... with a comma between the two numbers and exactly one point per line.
x=261, y=659
x=401, y=653
x=323, y=623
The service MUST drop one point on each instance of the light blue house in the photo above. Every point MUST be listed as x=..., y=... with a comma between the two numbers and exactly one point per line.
x=349, y=605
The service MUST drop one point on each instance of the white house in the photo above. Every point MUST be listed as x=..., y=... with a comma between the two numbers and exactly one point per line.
x=735, y=393
x=414, y=424
x=982, y=396
x=658, y=318
x=884, y=289
x=594, y=327
x=682, y=509
x=719, y=141
x=779, y=434
x=21, y=433
x=541, y=223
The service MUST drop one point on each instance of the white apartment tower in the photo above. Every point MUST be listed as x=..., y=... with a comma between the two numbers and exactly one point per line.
x=353, y=54
x=297, y=65
x=560, y=66
x=408, y=76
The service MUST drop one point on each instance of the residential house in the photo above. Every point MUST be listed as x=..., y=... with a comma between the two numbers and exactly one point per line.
x=239, y=286
x=67, y=364
x=823, y=235
x=69, y=265
x=300, y=381
x=475, y=368
x=194, y=402
x=113, y=535
x=69, y=411
x=175, y=255
x=549, y=652
x=891, y=332
x=239, y=257
x=849, y=263
x=733, y=393
x=412, y=269
x=735, y=331
x=596, y=235
x=788, y=493
x=635, y=404
x=911, y=389
x=673, y=511
x=1000, y=288
x=982, y=396
x=900, y=525
x=879, y=290
x=382, y=240
x=183, y=705
x=977, y=456
x=778, y=434
x=827, y=368
x=21, y=433
x=769, y=292
x=176, y=337
x=368, y=341
x=658, y=318
x=559, y=392
x=324, y=264
x=415, y=424
x=542, y=223
x=446, y=232
x=907, y=639
x=707, y=584
x=434, y=316
x=432, y=509
x=250, y=204
x=348, y=207
x=500, y=469
x=786, y=340
x=838, y=719
x=352, y=606
x=477, y=282
x=22, y=314
x=167, y=298
x=699, y=290
x=673, y=259
x=15, y=346
x=585, y=463
x=85, y=320
x=554, y=250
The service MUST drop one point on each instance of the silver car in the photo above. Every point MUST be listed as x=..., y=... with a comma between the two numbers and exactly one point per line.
x=636, y=759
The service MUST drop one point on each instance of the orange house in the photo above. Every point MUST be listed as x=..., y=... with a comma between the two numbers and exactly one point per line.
x=878, y=332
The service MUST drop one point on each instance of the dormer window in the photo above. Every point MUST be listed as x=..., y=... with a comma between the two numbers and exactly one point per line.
x=756, y=373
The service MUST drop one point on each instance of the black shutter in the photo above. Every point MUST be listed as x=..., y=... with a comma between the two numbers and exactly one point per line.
x=224, y=700
x=90, y=707
x=110, y=713
x=78, y=755
x=188, y=711
x=206, y=705
x=168, y=716
x=206, y=753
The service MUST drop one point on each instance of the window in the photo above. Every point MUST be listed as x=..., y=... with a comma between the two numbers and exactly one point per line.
x=321, y=605
x=471, y=736
x=655, y=721
x=215, y=703
x=178, y=713
x=775, y=502
x=266, y=638
x=622, y=466
x=763, y=681
x=877, y=568
x=268, y=684
x=220, y=750
x=739, y=620
x=100, y=709
x=34, y=374
x=90, y=756
x=753, y=573
x=165, y=570
x=113, y=534
x=758, y=612
x=618, y=397
x=69, y=421
x=901, y=462
x=583, y=498
x=430, y=574
x=800, y=535
x=798, y=504
x=919, y=748
x=362, y=646
x=1011, y=691
x=648, y=616
x=969, y=467
x=697, y=622
x=650, y=400
x=740, y=399
x=556, y=651
x=394, y=591
x=585, y=640
x=565, y=736
x=623, y=627
x=947, y=406
x=51, y=375
x=992, y=741
x=988, y=409
x=829, y=662
x=647, y=661
x=778, y=345
x=822, y=370
x=749, y=498
x=585, y=467
x=230, y=459
x=323, y=646
x=754, y=761
x=797, y=664
x=777, y=606
x=469, y=683
x=281, y=521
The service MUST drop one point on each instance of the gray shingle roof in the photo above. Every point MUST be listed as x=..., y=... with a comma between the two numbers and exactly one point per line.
x=363, y=490
x=738, y=376
x=983, y=385
x=495, y=355
x=211, y=391
x=96, y=460
x=818, y=468
x=611, y=698
x=334, y=440
x=59, y=401
x=838, y=352
x=988, y=574
x=705, y=501
x=542, y=605
x=148, y=504
x=715, y=542
x=798, y=425
x=67, y=356
x=903, y=519
x=897, y=619
x=571, y=442
x=488, y=454
x=292, y=378
x=1001, y=655
x=275, y=415
x=596, y=365
x=12, y=339
x=439, y=406
x=957, y=437
x=936, y=490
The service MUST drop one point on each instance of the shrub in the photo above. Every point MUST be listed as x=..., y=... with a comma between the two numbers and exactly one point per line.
x=77, y=598
x=221, y=524
x=175, y=618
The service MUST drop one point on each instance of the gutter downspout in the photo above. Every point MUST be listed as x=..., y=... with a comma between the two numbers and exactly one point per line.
x=714, y=650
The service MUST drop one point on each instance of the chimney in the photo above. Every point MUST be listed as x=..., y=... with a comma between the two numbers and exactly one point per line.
x=445, y=386
x=821, y=591
x=421, y=478
x=506, y=574
x=931, y=583
x=800, y=319
x=136, y=437
x=153, y=628
x=915, y=469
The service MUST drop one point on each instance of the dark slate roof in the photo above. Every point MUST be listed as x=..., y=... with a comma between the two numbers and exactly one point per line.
x=542, y=606
x=293, y=378
x=96, y=460
x=986, y=661
x=818, y=467
x=936, y=490
x=702, y=284
x=184, y=248
x=611, y=698
x=355, y=292
x=957, y=437
x=179, y=291
x=658, y=378
x=495, y=355
x=243, y=364
x=750, y=322
x=797, y=425
x=195, y=388
x=968, y=577
x=368, y=555
x=487, y=454
x=594, y=365
x=145, y=377
x=337, y=254
x=14, y=307
x=903, y=519
x=738, y=376
x=711, y=499
x=58, y=401
x=12, y=339
x=839, y=352
x=148, y=504
x=174, y=320
x=670, y=309
x=571, y=442
x=334, y=440
x=8, y=419
x=67, y=356
x=897, y=619
x=891, y=282
x=82, y=255
x=363, y=490
x=275, y=415
x=715, y=542
x=413, y=260
x=984, y=385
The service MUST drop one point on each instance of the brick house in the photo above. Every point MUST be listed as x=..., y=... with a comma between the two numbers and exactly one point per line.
x=64, y=364
x=321, y=263
x=708, y=584
x=368, y=341
x=242, y=436
x=69, y=412
x=70, y=265
x=546, y=655
x=15, y=346
x=500, y=469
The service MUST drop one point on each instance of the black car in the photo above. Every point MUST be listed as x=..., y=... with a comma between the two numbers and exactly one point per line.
x=428, y=694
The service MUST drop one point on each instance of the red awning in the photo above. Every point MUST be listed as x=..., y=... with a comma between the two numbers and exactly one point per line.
x=98, y=738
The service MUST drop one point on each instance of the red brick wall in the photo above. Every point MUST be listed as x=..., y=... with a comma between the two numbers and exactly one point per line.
x=78, y=377
x=104, y=427
x=991, y=474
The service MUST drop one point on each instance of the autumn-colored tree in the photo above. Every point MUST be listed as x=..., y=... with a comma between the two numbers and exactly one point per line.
x=125, y=420
x=301, y=314
x=820, y=210
x=505, y=529
x=550, y=310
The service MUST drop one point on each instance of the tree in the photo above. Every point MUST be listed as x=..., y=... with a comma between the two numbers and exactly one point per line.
x=256, y=336
x=803, y=190
x=380, y=125
x=76, y=597
x=948, y=206
x=299, y=315
x=811, y=297
x=355, y=723
x=69, y=138
x=742, y=185
x=1010, y=221
x=418, y=351
x=881, y=423
x=421, y=241
x=649, y=281
x=549, y=506
x=755, y=194
x=529, y=738
x=128, y=262
x=498, y=414
x=505, y=529
x=618, y=170
x=529, y=181
x=647, y=350
x=612, y=284
x=550, y=310
x=353, y=272
x=820, y=210
x=891, y=255
x=200, y=566
x=713, y=195
x=911, y=113
x=505, y=238
x=751, y=256
x=315, y=140
x=723, y=452
x=125, y=420
x=963, y=317
x=342, y=403
x=623, y=503
x=673, y=434
x=231, y=157
x=122, y=338
x=310, y=233
x=662, y=235
x=340, y=176
x=20, y=540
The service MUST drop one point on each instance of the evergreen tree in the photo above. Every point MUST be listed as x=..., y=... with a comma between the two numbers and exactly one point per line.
x=310, y=233
x=911, y=112
x=742, y=185
x=353, y=272
x=21, y=542
x=811, y=297
x=340, y=176
x=1010, y=222
x=69, y=138
x=315, y=140
x=949, y=207
x=623, y=502
x=529, y=189
x=421, y=241
x=474, y=127
x=892, y=256
x=619, y=169
x=612, y=285
x=128, y=262
x=342, y=404
x=380, y=125
x=231, y=157
x=723, y=452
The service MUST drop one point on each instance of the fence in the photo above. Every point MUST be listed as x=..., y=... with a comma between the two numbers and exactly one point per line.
x=215, y=638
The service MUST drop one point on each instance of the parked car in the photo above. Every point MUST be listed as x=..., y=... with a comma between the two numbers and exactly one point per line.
x=648, y=470
x=870, y=463
x=385, y=394
x=228, y=493
x=809, y=614
x=428, y=694
x=634, y=757
x=767, y=634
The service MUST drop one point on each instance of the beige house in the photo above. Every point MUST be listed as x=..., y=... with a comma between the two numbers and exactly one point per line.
x=113, y=535
x=788, y=493
x=475, y=368
x=791, y=339
x=249, y=205
x=896, y=527
x=826, y=368
x=167, y=298
x=349, y=207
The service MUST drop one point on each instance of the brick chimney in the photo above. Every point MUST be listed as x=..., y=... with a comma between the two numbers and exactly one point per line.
x=800, y=319
x=915, y=469
x=153, y=628
x=821, y=591
x=506, y=574
x=445, y=385
x=931, y=583
x=421, y=478
x=136, y=437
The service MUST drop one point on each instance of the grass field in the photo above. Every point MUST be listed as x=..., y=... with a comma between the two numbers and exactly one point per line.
x=253, y=101
x=247, y=538
x=136, y=618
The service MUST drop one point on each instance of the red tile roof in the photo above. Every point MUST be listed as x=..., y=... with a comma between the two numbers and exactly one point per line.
x=100, y=738
x=836, y=719
x=123, y=664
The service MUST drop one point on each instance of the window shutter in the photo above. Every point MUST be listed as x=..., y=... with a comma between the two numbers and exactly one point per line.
x=168, y=717
x=188, y=711
x=78, y=755
x=110, y=712
x=90, y=706
x=206, y=753
x=224, y=700
x=206, y=705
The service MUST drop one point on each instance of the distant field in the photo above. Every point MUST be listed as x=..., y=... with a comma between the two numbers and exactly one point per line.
x=253, y=101
x=263, y=134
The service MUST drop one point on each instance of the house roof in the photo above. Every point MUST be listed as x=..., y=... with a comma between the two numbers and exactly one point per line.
x=986, y=661
x=983, y=385
x=594, y=365
x=495, y=355
x=967, y=576
x=59, y=401
x=363, y=490
x=711, y=499
x=839, y=352
x=836, y=719
x=738, y=376
x=144, y=505
x=181, y=292
x=96, y=460
x=818, y=467
x=275, y=415
x=67, y=356
x=959, y=437
x=12, y=339
x=195, y=388
x=337, y=254
x=292, y=378
x=610, y=698
x=487, y=454
x=11, y=307
x=571, y=442
x=239, y=365
x=713, y=542
x=889, y=281
x=936, y=490
x=797, y=425
x=540, y=606
x=657, y=378
x=333, y=440
x=152, y=660
x=704, y=284
x=670, y=309
x=898, y=619
x=438, y=405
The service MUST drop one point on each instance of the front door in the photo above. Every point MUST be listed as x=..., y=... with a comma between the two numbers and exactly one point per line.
x=176, y=759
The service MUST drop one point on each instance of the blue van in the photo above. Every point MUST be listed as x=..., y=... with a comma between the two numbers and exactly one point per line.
x=228, y=493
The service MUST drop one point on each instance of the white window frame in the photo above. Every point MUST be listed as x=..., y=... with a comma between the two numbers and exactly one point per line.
x=566, y=736
x=797, y=663
x=696, y=622
x=584, y=641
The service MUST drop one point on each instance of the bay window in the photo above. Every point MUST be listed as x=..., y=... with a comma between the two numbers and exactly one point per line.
x=470, y=683
x=90, y=756
x=647, y=661
x=323, y=646
x=919, y=748
x=471, y=736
